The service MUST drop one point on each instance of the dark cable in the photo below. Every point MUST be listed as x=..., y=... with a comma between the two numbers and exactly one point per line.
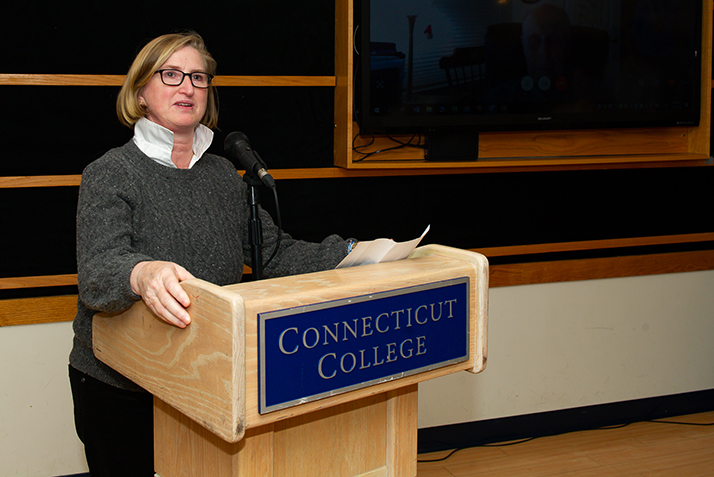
x=279, y=224
x=400, y=145
x=528, y=439
x=683, y=423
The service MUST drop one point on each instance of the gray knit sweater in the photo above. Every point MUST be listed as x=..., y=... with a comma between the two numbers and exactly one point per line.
x=132, y=209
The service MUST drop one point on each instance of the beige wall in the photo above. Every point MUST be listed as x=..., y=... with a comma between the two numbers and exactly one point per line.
x=567, y=345
x=553, y=346
x=37, y=437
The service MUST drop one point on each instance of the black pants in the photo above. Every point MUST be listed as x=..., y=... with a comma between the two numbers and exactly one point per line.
x=115, y=425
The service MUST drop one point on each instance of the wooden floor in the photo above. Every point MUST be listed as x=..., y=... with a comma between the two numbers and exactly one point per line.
x=644, y=449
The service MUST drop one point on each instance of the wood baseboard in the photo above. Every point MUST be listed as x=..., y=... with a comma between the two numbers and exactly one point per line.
x=48, y=309
x=471, y=434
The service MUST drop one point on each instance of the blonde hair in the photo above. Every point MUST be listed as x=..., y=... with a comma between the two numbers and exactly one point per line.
x=149, y=59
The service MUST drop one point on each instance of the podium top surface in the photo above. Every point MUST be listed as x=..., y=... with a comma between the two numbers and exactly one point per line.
x=211, y=370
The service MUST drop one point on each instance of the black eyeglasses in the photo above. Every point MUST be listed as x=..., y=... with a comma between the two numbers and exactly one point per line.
x=172, y=77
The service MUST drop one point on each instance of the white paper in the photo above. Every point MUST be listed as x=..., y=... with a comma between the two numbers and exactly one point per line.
x=380, y=250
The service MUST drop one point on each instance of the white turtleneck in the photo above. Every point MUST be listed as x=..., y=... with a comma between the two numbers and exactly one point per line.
x=157, y=142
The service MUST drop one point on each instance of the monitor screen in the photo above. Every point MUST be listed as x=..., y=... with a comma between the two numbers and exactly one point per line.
x=526, y=64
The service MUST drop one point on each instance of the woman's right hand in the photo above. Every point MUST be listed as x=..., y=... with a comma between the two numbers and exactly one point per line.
x=158, y=284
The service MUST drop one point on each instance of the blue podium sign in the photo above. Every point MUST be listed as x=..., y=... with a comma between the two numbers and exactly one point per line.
x=311, y=352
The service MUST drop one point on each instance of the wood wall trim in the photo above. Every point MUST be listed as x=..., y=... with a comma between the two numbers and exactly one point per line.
x=599, y=268
x=14, y=283
x=42, y=281
x=25, y=311
x=30, y=311
x=13, y=79
x=569, y=147
x=488, y=166
x=536, y=164
x=320, y=81
x=16, y=182
x=17, y=79
x=595, y=244
x=10, y=182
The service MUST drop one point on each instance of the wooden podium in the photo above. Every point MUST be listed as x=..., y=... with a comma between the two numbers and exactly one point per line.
x=228, y=389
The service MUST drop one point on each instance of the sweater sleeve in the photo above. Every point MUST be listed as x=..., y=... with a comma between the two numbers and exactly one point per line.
x=297, y=256
x=105, y=257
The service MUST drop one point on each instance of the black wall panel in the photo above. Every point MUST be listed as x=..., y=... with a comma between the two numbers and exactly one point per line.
x=466, y=211
x=59, y=129
x=38, y=231
x=268, y=37
x=491, y=210
x=289, y=127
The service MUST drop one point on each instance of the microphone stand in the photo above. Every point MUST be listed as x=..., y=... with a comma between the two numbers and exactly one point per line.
x=255, y=227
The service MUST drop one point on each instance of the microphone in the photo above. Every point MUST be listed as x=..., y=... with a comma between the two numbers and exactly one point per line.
x=237, y=145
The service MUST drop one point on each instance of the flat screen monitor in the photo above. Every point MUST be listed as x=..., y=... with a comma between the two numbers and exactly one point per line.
x=509, y=65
